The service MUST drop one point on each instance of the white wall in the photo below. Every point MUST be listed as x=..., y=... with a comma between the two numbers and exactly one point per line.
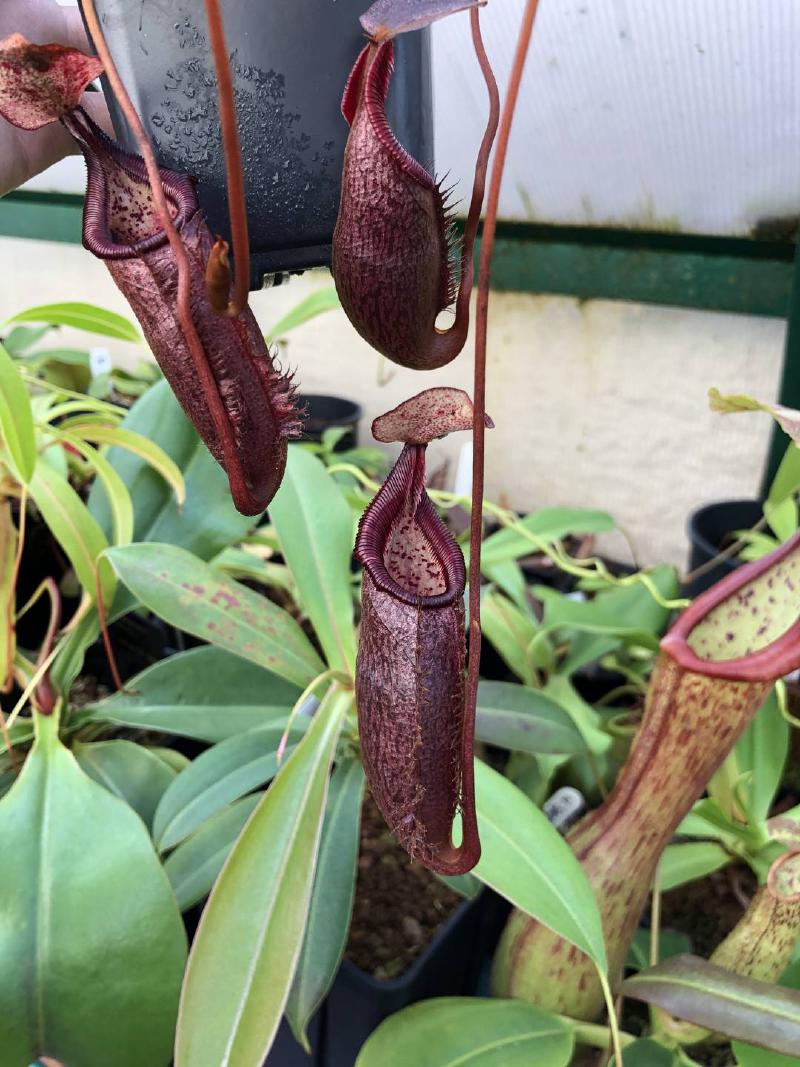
x=596, y=403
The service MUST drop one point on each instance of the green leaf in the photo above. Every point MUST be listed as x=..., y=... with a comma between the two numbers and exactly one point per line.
x=560, y=689
x=628, y=613
x=612, y=616
x=511, y=631
x=205, y=693
x=240, y=564
x=214, y=779
x=469, y=1032
x=314, y=524
x=528, y=862
x=509, y=577
x=88, y=918
x=130, y=771
x=117, y=495
x=82, y=317
x=524, y=720
x=16, y=420
x=185, y=592
x=72, y=526
x=702, y=993
x=750, y=1056
x=176, y=761
x=313, y=305
x=21, y=338
x=244, y=956
x=548, y=524
x=787, y=478
x=648, y=1053
x=466, y=885
x=65, y=357
x=208, y=521
x=687, y=862
x=194, y=865
x=331, y=899
x=148, y=451
x=670, y=943
x=760, y=756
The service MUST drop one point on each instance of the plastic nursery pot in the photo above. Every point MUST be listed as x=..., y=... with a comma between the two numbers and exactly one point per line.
x=290, y=63
x=358, y=1003
x=710, y=528
x=329, y=412
x=451, y=965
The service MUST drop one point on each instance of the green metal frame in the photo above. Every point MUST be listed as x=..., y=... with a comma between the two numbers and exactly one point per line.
x=747, y=276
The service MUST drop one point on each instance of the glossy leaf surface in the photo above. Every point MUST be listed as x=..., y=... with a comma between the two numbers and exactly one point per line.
x=187, y=593
x=207, y=521
x=699, y=992
x=547, y=524
x=206, y=693
x=469, y=1032
x=72, y=525
x=331, y=899
x=314, y=524
x=214, y=779
x=246, y=949
x=130, y=771
x=16, y=420
x=688, y=861
x=88, y=916
x=524, y=720
x=528, y=862
x=82, y=316
x=194, y=865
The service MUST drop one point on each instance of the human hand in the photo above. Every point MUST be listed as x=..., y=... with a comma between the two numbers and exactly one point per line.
x=24, y=153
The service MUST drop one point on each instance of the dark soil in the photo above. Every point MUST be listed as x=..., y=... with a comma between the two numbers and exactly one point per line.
x=707, y=910
x=399, y=905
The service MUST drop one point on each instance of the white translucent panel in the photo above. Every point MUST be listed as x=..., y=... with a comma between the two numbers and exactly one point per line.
x=680, y=115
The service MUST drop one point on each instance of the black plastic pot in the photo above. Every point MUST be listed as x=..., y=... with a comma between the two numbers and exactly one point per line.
x=452, y=965
x=710, y=528
x=327, y=412
x=290, y=63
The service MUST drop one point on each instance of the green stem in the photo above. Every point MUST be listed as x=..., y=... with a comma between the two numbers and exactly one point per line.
x=613, y=1023
x=596, y=1036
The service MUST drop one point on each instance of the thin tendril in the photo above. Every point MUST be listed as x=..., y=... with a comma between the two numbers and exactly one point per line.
x=591, y=567
x=207, y=382
x=330, y=675
x=237, y=209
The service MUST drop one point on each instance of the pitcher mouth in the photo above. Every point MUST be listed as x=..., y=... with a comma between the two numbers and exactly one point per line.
x=749, y=607
x=103, y=155
x=403, y=497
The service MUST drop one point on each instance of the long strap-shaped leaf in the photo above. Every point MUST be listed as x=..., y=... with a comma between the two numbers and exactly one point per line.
x=246, y=950
x=186, y=592
x=702, y=993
